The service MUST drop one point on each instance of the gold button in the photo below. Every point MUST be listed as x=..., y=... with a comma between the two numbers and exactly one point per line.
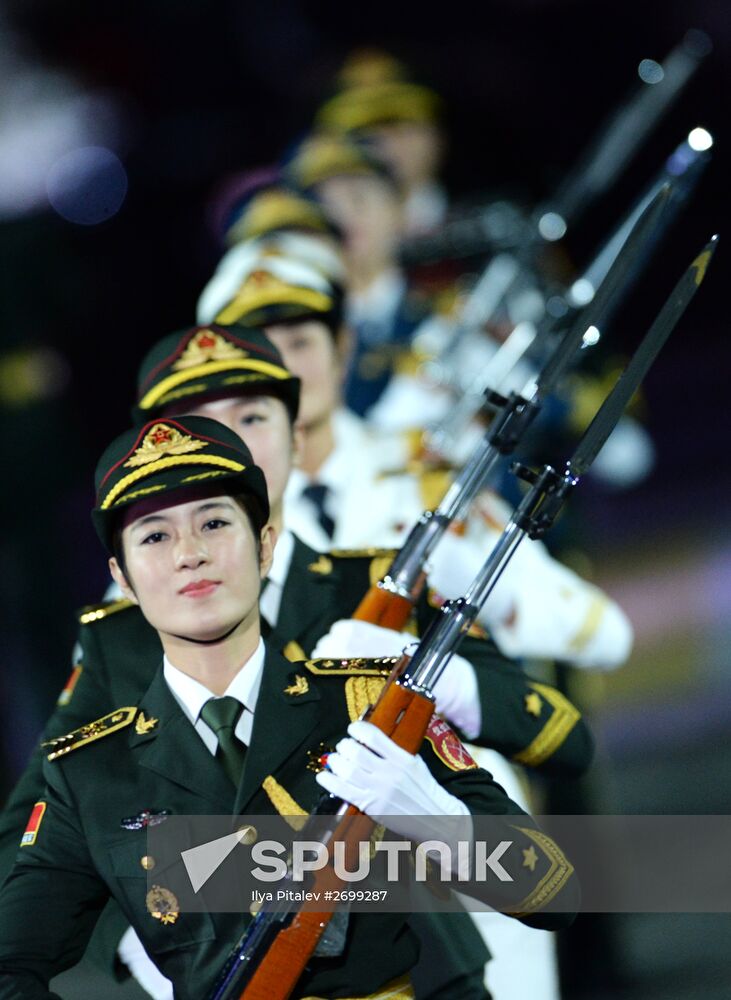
x=248, y=834
x=255, y=907
x=148, y=862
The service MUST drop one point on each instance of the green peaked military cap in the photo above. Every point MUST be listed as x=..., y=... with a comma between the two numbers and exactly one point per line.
x=374, y=88
x=279, y=290
x=323, y=155
x=208, y=362
x=175, y=459
x=360, y=108
x=274, y=208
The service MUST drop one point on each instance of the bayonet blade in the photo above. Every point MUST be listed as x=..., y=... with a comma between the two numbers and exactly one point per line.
x=614, y=283
x=628, y=128
x=608, y=414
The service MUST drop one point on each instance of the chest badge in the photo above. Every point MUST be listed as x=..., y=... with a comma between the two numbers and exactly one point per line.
x=317, y=759
x=144, y=819
x=162, y=905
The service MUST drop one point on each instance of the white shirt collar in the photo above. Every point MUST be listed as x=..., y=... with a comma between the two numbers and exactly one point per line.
x=271, y=600
x=191, y=695
x=425, y=209
x=379, y=301
x=283, y=551
x=350, y=434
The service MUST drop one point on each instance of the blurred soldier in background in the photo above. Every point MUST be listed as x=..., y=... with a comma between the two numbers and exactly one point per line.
x=365, y=200
x=376, y=100
x=353, y=487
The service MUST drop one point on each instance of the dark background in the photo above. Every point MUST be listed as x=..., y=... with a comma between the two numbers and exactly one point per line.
x=203, y=89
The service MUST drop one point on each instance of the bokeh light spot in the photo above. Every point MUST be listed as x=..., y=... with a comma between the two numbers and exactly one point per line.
x=87, y=185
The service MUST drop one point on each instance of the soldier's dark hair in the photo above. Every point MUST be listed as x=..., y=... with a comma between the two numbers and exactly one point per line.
x=249, y=389
x=332, y=319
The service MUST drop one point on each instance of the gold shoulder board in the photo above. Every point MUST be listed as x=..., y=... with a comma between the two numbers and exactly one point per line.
x=362, y=553
x=95, y=612
x=433, y=484
x=380, y=666
x=91, y=731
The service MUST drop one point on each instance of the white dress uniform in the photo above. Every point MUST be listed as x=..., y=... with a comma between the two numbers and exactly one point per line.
x=539, y=609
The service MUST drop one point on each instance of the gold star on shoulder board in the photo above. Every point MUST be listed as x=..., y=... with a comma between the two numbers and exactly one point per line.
x=301, y=686
x=143, y=725
x=530, y=858
x=533, y=704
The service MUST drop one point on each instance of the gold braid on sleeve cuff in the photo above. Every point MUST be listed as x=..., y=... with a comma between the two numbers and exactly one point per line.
x=564, y=717
x=558, y=874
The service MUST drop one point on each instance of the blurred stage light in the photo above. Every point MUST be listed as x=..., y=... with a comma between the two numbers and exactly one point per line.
x=700, y=140
x=582, y=292
x=650, y=71
x=551, y=226
x=87, y=185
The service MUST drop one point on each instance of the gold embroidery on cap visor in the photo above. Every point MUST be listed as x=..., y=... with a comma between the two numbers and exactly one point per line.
x=167, y=463
x=272, y=292
x=274, y=211
x=380, y=104
x=161, y=439
x=154, y=395
x=323, y=158
x=207, y=345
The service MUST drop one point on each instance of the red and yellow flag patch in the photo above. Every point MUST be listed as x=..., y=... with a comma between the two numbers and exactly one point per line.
x=65, y=697
x=447, y=745
x=34, y=824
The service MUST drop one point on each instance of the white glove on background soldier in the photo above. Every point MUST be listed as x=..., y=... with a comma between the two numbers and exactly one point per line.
x=392, y=786
x=539, y=607
x=456, y=694
x=350, y=637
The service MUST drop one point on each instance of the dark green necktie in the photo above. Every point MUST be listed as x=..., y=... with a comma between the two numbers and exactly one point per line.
x=222, y=714
x=318, y=494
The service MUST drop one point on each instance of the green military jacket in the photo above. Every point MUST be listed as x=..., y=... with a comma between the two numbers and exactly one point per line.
x=120, y=652
x=82, y=853
x=529, y=722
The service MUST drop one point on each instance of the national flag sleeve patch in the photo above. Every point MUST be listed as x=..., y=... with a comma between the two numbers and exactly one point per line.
x=447, y=745
x=65, y=697
x=34, y=824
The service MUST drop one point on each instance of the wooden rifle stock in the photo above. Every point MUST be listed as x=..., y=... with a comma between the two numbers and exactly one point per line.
x=386, y=608
x=404, y=716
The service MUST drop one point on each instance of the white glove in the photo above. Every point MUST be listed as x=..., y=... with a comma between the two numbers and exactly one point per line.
x=394, y=787
x=455, y=693
x=457, y=560
x=349, y=637
x=560, y=616
x=539, y=607
x=457, y=696
x=148, y=976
